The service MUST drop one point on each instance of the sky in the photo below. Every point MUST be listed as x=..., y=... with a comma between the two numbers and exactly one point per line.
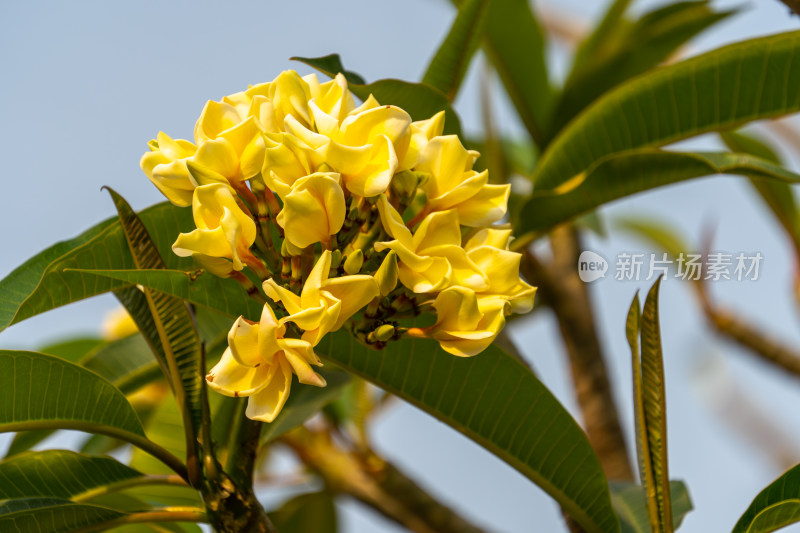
x=86, y=85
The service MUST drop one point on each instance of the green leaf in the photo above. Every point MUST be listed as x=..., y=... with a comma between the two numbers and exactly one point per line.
x=721, y=89
x=636, y=48
x=50, y=515
x=651, y=411
x=421, y=101
x=204, y=289
x=603, y=38
x=165, y=428
x=630, y=503
x=449, y=65
x=164, y=321
x=41, y=284
x=777, y=506
x=59, y=473
x=304, y=402
x=306, y=513
x=332, y=65
x=617, y=176
x=127, y=363
x=73, y=349
x=507, y=424
x=515, y=44
x=496, y=401
x=40, y=391
x=779, y=197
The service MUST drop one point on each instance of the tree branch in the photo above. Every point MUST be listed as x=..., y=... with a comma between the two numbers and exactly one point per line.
x=376, y=483
x=561, y=289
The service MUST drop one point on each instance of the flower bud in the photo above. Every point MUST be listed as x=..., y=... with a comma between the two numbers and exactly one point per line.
x=386, y=275
x=354, y=262
x=336, y=260
x=383, y=333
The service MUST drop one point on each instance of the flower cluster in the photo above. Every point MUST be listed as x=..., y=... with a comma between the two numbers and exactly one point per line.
x=346, y=214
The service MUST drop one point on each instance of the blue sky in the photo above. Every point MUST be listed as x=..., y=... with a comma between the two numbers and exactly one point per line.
x=87, y=84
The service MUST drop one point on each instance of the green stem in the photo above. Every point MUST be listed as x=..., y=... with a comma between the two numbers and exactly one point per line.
x=140, y=441
x=171, y=479
x=242, y=447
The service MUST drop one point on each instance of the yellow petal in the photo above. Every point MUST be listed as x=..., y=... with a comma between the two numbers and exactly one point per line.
x=243, y=343
x=422, y=131
x=230, y=378
x=354, y=292
x=488, y=206
x=219, y=156
x=313, y=210
x=268, y=402
x=215, y=118
x=290, y=300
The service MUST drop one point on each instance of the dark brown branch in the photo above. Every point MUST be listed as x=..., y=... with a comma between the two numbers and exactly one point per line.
x=561, y=289
x=376, y=483
x=794, y=5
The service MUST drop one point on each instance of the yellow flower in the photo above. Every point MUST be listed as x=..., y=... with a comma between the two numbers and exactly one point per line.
x=324, y=305
x=488, y=249
x=313, y=210
x=364, y=149
x=422, y=131
x=165, y=165
x=331, y=104
x=223, y=231
x=454, y=185
x=235, y=154
x=118, y=324
x=466, y=325
x=432, y=259
x=259, y=363
x=286, y=160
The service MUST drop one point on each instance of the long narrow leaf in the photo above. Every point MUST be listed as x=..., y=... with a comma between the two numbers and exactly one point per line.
x=515, y=44
x=496, y=401
x=627, y=173
x=775, y=507
x=654, y=410
x=637, y=47
x=60, y=474
x=449, y=65
x=165, y=321
x=721, y=89
x=41, y=284
x=51, y=515
x=38, y=390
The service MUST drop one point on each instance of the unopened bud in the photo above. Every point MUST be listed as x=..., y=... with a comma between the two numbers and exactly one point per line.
x=386, y=275
x=354, y=262
x=383, y=333
x=404, y=184
x=336, y=259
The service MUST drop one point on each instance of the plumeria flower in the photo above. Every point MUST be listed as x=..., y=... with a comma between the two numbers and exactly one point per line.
x=488, y=249
x=224, y=232
x=324, y=304
x=432, y=258
x=454, y=185
x=313, y=209
x=165, y=165
x=259, y=363
x=465, y=325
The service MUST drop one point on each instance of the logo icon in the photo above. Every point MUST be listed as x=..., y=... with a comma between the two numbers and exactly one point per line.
x=591, y=266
